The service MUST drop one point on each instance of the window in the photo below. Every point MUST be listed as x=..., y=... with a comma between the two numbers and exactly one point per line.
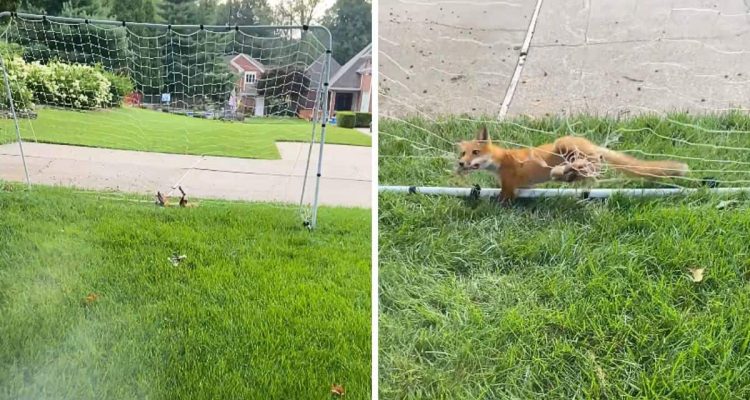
x=250, y=78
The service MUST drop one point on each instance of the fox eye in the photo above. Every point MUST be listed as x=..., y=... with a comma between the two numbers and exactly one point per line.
x=475, y=152
x=463, y=153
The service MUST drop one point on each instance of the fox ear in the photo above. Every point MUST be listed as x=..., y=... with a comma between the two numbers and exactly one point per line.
x=483, y=135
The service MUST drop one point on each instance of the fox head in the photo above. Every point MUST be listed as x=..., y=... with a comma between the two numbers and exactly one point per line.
x=476, y=154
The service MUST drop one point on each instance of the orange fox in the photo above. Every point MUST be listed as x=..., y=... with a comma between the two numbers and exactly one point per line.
x=567, y=159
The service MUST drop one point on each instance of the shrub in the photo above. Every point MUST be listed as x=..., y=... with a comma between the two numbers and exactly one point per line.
x=69, y=85
x=362, y=119
x=11, y=50
x=120, y=87
x=346, y=119
x=18, y=72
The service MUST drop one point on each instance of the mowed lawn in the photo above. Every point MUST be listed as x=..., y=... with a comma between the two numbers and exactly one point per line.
x=561, y=298
x=154, y=131
x=260, y=308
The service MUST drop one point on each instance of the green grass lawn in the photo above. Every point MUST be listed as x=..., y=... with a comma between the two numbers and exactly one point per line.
x=146, y=130
x=261, y=308
x=560, y=298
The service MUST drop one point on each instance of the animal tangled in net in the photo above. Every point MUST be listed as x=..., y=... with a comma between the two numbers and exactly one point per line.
x=578, y=166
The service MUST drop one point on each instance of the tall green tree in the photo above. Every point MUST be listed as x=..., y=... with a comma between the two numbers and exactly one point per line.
x=350, y=23
x=295, y=12
x=84, y=9
x=133, y=10
x=9, y=5
x=51, y=7
x=179, y=11
x=244, y=12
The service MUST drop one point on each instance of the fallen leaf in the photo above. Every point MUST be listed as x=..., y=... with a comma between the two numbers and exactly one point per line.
x=177, y=259
x=337, y=390
x=697, y=274
x=726, y=204
x=90, y=299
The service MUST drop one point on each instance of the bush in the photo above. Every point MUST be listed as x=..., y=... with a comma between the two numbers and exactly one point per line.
x=120, y=87
x=69, y=85
x=18, y=72
x=362, y=119
x=11, y=50
x=346, y=119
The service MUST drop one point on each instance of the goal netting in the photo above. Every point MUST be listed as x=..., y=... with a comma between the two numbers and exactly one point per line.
x=228, y=112
x=676, y=90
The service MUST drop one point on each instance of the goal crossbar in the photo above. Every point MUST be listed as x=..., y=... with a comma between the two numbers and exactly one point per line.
x=71, y=20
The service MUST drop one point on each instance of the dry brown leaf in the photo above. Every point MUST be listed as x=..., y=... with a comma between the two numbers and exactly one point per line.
x=90, y=299
x=337, y=390
x=697, y=274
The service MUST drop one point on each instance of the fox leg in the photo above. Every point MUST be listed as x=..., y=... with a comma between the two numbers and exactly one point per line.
x=507, y=189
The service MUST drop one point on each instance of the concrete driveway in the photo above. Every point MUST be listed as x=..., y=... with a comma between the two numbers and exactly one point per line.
x=346, y=180
x=593, y=56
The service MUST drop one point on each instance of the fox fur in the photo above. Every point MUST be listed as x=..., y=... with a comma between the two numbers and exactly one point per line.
x=566, y=159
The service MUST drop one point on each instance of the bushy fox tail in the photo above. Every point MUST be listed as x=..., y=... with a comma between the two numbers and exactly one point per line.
x=644, y=169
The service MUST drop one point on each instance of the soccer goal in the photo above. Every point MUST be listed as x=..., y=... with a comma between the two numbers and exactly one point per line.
x=187, y=106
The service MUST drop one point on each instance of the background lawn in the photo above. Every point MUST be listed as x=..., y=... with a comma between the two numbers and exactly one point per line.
x=146, y=130
x=558, y=298
x=261, y=308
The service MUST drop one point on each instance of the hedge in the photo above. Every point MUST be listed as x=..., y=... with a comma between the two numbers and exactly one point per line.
x=121, y=86
x=346, y=119
x=362, y=119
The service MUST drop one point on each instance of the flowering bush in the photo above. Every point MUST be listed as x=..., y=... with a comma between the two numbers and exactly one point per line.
x=18, y=72
x=69, y=85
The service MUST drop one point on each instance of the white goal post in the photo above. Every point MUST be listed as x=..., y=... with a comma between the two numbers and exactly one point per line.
x=183, y=68
x=559, y=192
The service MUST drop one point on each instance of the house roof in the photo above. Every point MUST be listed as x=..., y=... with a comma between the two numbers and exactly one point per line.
x=347, y=77
x=315, y=70
x=232, y=60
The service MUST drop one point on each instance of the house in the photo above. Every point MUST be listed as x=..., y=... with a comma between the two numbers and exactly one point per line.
x=350, y=86
x=314, y=72
x=245, y=95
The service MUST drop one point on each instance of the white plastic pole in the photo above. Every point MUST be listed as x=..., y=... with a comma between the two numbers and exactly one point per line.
x=15, y=119
x=562, y=192
x=315, y=116
x=326, y=77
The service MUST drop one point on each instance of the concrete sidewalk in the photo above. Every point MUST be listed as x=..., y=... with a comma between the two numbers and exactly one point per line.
x=346, y=180
x=601, y=57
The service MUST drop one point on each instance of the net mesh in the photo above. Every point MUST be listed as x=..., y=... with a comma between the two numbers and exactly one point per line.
x=665, y=83
x=219, y=97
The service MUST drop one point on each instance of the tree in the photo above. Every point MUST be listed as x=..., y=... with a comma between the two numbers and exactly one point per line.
x=9, y=5
x=296, y=12
x=350, y=23
x=133, y=10
x=244, y=12
x=179, y=11
x=84, y=9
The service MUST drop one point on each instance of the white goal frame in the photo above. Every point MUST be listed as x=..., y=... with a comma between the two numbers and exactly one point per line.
x=561, y=192
x=322, y=94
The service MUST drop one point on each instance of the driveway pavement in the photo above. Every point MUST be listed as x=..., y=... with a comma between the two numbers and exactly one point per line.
x=601, y=57
x=346, y=180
